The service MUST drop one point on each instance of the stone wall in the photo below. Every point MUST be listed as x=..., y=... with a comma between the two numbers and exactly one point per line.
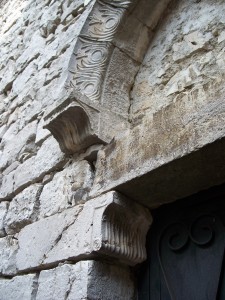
x=40, y=185
x=185, y=60
x=146, y=78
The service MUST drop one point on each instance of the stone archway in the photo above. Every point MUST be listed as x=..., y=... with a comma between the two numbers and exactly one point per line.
x=106, y=58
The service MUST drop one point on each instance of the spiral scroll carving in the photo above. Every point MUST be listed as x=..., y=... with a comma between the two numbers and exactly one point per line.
x=200, y=232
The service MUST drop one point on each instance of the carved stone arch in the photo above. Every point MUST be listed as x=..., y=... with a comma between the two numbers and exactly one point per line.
x=105, y=60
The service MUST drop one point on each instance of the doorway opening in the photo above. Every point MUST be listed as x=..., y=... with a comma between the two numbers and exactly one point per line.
x=185, y=247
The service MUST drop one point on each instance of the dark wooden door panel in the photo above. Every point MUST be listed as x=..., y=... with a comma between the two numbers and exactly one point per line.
x=186, y=250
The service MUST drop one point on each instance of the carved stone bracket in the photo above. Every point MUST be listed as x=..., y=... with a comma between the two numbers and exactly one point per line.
x=76, y=123
x=124, y=225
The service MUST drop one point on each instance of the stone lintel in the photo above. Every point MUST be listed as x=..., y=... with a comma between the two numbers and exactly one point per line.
x=162, y=160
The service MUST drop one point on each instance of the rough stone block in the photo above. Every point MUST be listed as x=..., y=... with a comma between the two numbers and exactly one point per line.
x=134, y=162
x=68, y=188
x=8, y=250
x=3, y=211
x=19, y=288
x=38, y=239
x=17, y=144
x=64, y=282
x=48, y=158
x=108, y=282
x=23, y=209
x=86, y=280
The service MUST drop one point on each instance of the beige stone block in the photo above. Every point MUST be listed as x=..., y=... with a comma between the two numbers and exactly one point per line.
x=86, y=280
x=23, y=209
x=67, y=188
x=48, y=158
x=8, y=250
x=18, y=288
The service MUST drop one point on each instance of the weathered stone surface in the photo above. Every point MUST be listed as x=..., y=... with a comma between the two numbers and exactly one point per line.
x=103, y=225
x=8, y=250
x=183, y=50
x=19, y=288
x=64, y=282
x=42, y=134
x=49, y=51
x=3, y=211
x=18, y=145
x=37, y=240
x=86, y=280
x=118, y=87
x=110, y=282
x=23, y=209
x=144, y=152
x=68, y=188
x=48, y=158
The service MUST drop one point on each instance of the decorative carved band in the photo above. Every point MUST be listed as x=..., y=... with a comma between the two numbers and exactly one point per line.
x=90, y=61
x=92, y=51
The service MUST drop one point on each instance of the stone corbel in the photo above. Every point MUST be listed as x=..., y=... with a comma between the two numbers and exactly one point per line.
x=124, y=226
x=76, y=123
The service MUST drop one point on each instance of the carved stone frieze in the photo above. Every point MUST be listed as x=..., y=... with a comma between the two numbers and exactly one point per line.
x=94, y=47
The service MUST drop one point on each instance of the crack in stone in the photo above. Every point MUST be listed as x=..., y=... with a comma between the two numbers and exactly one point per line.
x=58, y=239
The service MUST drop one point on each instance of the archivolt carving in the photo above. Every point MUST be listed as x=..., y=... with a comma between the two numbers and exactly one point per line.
x=90, y=60
x=104, y=22
x=92, y=51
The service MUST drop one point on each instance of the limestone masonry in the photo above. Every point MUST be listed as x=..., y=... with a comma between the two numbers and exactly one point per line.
x=108, y=108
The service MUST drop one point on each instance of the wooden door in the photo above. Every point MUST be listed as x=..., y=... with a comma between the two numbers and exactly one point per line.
x=185, y=249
